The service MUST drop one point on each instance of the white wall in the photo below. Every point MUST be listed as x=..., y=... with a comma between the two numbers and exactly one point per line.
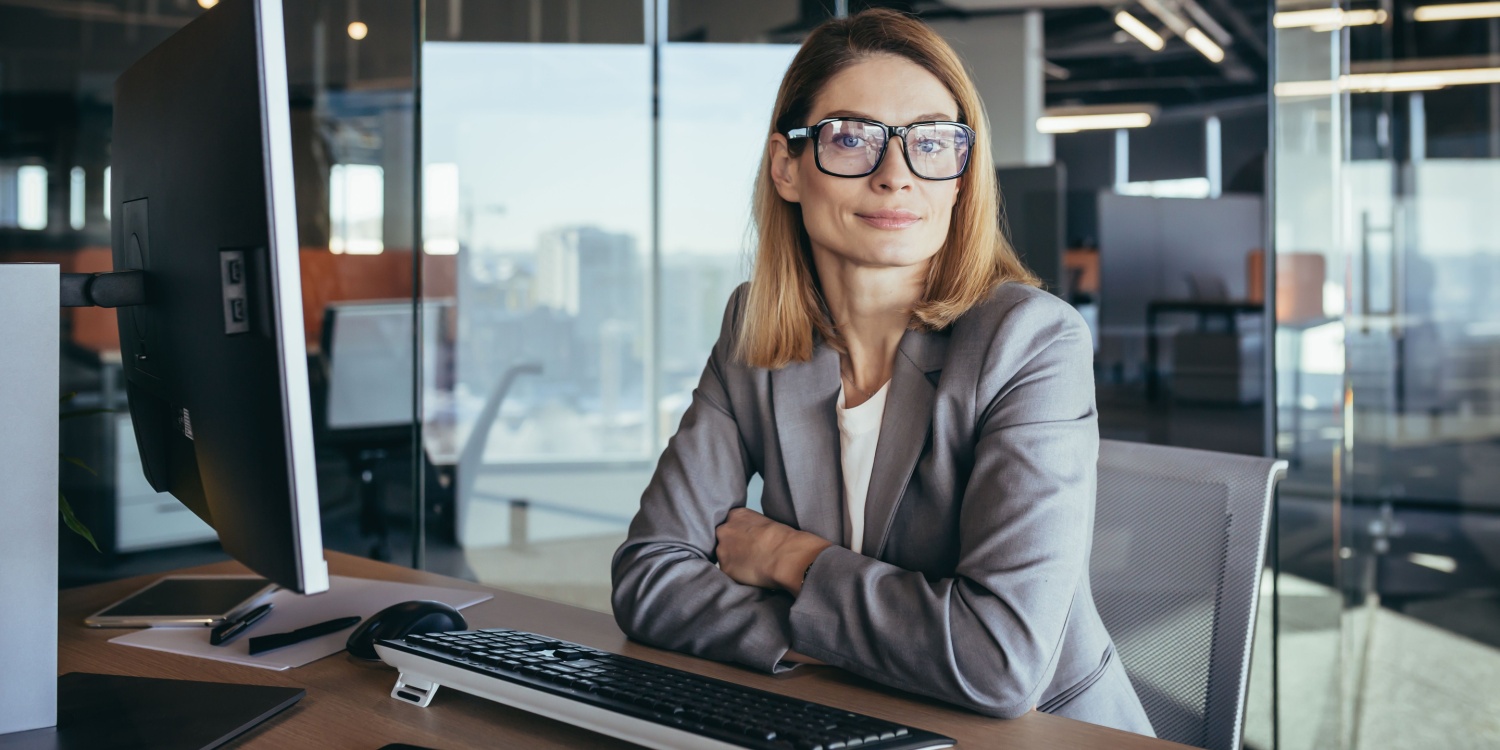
x=1004, y=54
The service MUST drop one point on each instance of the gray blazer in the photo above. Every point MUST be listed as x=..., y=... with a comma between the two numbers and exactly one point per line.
x=973, y=582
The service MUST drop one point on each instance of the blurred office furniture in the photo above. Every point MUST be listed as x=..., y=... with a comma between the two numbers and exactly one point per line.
x=328, y=278
x=1210, y=364
x=371, y=407
x=1207, y=287
x=1179, y=547
x=1034, y=209
x=1299, y=284
x=1148, y=250
x=1081, y=273
x=464, y=467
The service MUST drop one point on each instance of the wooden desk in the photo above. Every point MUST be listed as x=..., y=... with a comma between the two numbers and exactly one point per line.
x=348, y=703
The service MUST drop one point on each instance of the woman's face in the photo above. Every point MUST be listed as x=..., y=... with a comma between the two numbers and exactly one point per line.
x=891, y=217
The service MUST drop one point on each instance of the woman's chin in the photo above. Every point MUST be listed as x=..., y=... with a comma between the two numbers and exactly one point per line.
x=894, y=257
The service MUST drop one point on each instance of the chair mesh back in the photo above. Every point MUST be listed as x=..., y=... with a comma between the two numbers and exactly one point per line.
x=1179, y=539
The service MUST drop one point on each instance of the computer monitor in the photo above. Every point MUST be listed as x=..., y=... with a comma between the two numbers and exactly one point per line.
x=215, y=361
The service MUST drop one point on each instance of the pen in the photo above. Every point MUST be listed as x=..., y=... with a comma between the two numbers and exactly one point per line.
x=226, y=632
x=264, y=643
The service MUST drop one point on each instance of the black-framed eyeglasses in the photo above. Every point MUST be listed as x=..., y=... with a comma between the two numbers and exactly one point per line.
x=854, y=147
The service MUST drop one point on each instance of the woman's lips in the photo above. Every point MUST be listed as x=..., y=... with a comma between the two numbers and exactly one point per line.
x=889, y=219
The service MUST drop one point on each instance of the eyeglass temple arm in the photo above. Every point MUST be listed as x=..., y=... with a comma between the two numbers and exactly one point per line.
x=796, y=133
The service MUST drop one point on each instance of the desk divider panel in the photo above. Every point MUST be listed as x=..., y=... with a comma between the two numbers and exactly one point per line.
x=29, y=336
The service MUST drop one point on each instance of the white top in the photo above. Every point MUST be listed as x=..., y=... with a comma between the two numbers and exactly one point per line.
x=859, y=430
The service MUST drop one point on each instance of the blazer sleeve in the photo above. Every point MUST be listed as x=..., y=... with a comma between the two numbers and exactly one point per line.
x=989, y=637
x=668, y=589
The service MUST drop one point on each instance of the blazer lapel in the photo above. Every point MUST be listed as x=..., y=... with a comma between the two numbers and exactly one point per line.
x=803, y=396
x=903, y=430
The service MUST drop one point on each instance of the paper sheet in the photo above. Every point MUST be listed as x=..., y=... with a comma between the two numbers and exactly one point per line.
x=344, y=597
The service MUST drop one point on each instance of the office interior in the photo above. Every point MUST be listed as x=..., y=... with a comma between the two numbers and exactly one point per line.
x=1283, y=240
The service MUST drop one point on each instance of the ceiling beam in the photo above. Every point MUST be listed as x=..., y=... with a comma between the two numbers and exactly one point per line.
x=101, y=12
x=1100, y=85
x=1247, y=31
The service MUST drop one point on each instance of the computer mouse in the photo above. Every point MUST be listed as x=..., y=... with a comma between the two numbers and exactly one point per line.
x=401, y=620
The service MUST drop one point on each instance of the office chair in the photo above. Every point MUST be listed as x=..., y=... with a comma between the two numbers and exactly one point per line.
x=1179, y=545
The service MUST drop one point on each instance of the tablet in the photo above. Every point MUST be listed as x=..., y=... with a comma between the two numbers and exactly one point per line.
x=184, y=600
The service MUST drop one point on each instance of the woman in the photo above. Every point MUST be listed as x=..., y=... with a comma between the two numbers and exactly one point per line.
x=921, y=414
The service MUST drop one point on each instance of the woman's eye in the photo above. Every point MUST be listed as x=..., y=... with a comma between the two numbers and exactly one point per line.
x=930, y=146
x=848, y=141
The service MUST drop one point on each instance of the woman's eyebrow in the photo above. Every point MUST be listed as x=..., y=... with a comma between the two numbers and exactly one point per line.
x=853, y=113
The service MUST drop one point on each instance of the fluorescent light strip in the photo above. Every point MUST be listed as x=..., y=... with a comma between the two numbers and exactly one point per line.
x=1202, y=43
x=1328, y=19
x=1189, y=33
x=1416, y=80
x=1457, y=12
x=1075, y=123
x=1143, y=33
x=1440, y=563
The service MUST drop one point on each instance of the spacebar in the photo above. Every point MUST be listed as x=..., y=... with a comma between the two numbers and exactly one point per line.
x=605, y=697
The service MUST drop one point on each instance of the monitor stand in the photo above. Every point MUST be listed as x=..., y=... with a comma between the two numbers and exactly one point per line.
x=114, y=712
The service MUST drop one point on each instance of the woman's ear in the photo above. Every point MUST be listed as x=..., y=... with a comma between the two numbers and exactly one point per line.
x=784, y=170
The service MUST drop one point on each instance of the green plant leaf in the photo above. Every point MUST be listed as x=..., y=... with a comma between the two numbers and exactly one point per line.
x=79, y=463
x=85, y=413
x=73, y=522
x=62, y=501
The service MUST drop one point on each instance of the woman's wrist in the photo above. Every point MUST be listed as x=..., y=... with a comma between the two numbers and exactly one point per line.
x=795, y=557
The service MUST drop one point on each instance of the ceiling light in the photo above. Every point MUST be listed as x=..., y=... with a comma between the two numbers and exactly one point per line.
x=1189, y=33
x=1206, y=22
x=1328, y=19
x=1294, y=89
x=1140, y=31
x=1354, y=18
x=1072, y=123
x=1302, y=18
x=358, y=30
x=1457, y=12
x=1412, y=80
x=1418, y=80
x=1202, y=43
x=206, y=4
x=1440, y=563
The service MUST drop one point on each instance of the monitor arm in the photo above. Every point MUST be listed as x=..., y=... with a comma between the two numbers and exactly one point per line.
x=114, y=289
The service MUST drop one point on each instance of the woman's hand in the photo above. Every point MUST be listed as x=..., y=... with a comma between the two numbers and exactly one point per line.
x=756, y=551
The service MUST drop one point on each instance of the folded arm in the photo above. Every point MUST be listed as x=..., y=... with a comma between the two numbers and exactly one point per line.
x=668, y=589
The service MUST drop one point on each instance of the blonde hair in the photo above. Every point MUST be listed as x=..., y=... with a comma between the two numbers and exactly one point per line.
x=785, y=307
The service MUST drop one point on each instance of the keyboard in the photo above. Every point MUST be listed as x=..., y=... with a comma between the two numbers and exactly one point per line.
x=630, y=699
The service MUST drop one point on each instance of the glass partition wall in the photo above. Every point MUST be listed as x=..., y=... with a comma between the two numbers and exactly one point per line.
x=587, y=173
x=1387, y=174
x=349, y=66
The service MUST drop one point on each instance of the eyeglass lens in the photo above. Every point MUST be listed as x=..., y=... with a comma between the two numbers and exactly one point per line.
x=851, y=148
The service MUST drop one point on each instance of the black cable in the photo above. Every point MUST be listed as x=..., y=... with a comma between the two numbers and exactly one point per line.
x=113, y=289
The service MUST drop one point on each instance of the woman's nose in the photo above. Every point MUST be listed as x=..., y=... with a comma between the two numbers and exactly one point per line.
x=894, y=173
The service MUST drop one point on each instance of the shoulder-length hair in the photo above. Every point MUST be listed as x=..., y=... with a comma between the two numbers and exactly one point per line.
x=785, y=310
